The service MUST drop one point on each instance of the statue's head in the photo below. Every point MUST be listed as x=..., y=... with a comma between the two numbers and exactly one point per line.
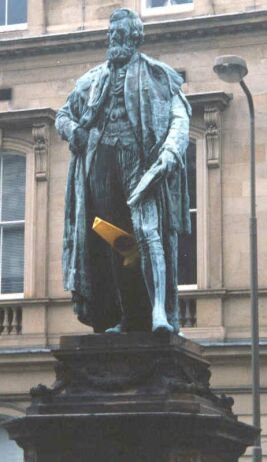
x=126, y=33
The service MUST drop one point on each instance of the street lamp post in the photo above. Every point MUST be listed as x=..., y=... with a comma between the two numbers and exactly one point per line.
x=232, y=69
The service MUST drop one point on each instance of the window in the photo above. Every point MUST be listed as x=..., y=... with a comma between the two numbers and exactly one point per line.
x=166, y=6
x=5, y=94
x=158, y=3
x=187, y=273
x=13, y=14
x=12, y=221
x=24, y=165
x=9, y=450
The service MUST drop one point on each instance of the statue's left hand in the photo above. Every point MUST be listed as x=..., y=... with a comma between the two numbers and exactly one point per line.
x=167, y=161
x=166, y=165
x=79, y=140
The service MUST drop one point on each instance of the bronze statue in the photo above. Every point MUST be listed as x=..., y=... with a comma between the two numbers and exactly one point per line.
x=127, y=125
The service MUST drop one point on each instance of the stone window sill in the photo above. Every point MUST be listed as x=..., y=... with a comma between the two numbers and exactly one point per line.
x=13, y=27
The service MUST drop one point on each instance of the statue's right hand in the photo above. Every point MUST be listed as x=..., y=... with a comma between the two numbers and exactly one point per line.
x=80, y=138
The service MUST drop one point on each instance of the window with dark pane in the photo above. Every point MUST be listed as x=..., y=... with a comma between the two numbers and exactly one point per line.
x=161, y=3
x=12, y=215
x=188, y=243
x=13, y=12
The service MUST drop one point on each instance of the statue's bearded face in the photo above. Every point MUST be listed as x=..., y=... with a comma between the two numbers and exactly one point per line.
x=121, y=42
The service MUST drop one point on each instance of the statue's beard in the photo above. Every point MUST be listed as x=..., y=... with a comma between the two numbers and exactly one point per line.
x=120, y=53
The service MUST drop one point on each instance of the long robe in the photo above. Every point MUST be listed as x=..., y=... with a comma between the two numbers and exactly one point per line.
x=149, y=90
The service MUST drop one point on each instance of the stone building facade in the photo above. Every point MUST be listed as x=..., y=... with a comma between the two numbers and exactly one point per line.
x=41, y=56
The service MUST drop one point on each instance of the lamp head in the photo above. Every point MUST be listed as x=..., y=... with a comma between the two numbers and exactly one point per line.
x=230, y=68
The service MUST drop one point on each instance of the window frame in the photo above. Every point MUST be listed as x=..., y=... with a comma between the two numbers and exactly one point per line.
x=181, y=287
x=27, y=132
x=206, y=122
x=163, y=10
x=8, y=224
x=10, y=27
x=197, y=136
x=22, y=148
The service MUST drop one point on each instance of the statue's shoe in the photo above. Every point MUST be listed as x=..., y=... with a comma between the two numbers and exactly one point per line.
x=161, y=326
x=114, y=330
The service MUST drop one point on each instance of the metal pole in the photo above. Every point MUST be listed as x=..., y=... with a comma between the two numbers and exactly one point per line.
x=256, y=452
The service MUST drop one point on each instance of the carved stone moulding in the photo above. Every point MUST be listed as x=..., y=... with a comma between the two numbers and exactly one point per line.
x=22, y=118
x=144, y=368
x=134, y=397
x=39, y=121
x=211, y=104
x=187, y=28
x=40, y=134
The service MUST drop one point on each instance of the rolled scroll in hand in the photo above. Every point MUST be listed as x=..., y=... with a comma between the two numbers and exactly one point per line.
x=150, y=179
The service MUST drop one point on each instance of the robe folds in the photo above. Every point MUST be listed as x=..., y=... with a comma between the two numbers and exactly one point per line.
x=148, y=91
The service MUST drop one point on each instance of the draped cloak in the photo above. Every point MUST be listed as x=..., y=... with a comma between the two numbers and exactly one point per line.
x=149, y=88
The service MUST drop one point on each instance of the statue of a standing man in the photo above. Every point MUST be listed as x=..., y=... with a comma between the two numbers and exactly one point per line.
x=127, y=124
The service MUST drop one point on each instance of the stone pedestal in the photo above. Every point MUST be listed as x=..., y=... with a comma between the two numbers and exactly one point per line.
x=133, y=397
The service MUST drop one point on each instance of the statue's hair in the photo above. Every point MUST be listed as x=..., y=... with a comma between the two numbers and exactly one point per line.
x=136, y=24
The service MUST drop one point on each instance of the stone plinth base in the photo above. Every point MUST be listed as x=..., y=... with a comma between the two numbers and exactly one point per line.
x=130, y=398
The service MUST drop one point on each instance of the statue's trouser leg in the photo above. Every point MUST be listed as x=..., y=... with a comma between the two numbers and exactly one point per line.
x=145, y=223
x=115, y=173
x=106, y=201
x=171, y=258
x=145, y=220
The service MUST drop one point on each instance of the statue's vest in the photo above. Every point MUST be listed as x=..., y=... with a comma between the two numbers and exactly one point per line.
x=116, y=124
